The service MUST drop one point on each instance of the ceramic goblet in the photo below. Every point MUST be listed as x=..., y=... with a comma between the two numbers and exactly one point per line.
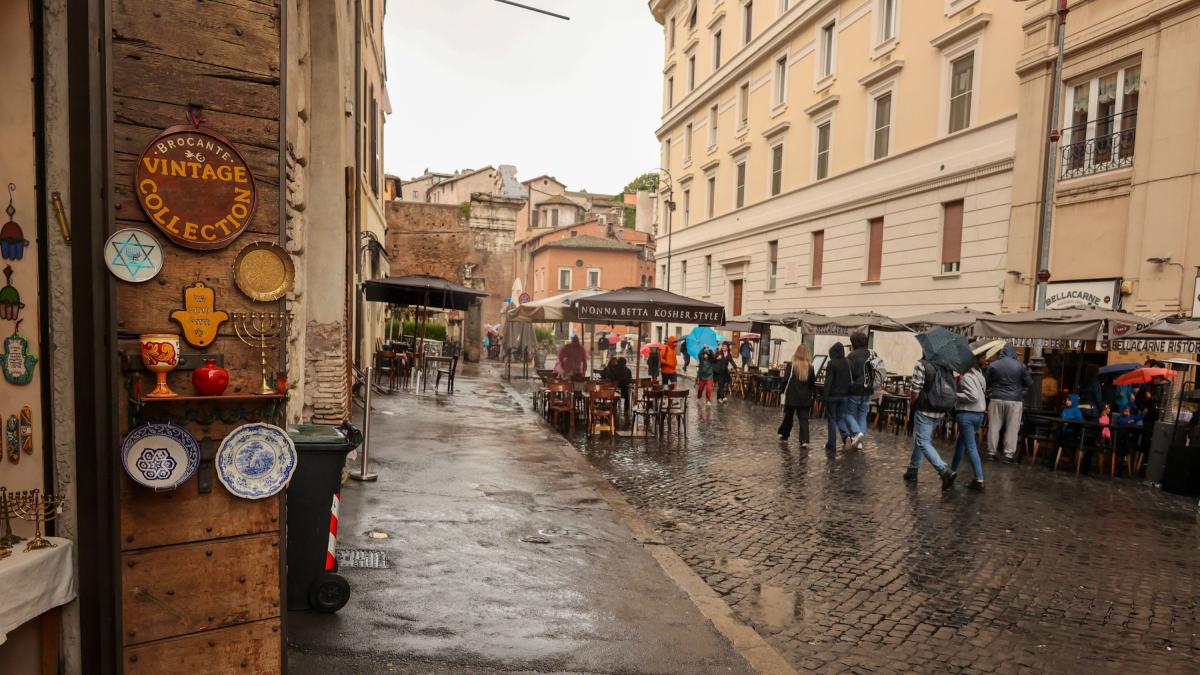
x=160, y=354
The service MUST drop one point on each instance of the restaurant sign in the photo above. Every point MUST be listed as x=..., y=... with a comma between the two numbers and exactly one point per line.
x=195, y=187
x=612, y=313
x=1156, y=345
x=1101, y=294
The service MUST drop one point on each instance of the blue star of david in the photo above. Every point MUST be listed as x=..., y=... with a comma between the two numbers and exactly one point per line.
x=132, y=255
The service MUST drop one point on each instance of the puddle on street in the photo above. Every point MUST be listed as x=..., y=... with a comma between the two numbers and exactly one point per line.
x=774, y=606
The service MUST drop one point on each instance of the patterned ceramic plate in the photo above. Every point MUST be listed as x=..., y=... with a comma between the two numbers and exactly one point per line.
x=133, y=255
x=160, y=456
x=256, y=461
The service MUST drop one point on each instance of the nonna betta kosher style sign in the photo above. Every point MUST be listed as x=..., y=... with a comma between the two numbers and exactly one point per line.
x=195, y=187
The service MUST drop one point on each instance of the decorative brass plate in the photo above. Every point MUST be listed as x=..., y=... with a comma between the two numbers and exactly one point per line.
x=264, y=271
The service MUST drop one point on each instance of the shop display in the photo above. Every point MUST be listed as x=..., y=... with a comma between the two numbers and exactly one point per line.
x=12, y=238
x=10, y=298
x=199, y=318
x=195, y=187
x=264, y=330
x=12, y=441
x=160, y=456
x=264, y=271
x=18, y=362
x=160, y=354
x=25, y=430
x=256, y=461
x=6, y=515
x=210, y=379
x=133, y=255
x=39, y=509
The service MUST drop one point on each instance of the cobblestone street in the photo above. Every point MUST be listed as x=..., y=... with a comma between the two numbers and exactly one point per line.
x=845, y=567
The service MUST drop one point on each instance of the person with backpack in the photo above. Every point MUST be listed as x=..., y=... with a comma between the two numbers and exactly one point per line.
x=837, y=387
x=934, y=393
x=866, y=377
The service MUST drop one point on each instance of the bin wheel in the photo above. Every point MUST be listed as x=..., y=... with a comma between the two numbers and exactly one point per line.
x=329, y=593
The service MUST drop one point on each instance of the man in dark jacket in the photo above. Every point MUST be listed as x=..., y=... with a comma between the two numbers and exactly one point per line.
x=858, y=402
x=837, y=388
x=1007, y=380
x=746, y=352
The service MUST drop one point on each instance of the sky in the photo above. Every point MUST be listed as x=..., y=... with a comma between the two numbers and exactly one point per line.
x=478, y=82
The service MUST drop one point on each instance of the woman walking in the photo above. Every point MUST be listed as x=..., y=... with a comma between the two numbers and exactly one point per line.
x=704, y=376
x=968, y=412
x=798, y=394
x=721, y=366
x=837, y=388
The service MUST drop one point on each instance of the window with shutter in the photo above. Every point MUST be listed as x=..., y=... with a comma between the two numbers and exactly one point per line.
x=874, y=248
x=952, y=224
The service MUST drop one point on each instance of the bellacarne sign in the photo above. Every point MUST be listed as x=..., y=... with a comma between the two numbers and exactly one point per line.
x=195, y=187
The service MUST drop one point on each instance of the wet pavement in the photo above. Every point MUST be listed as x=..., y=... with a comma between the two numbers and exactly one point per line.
x=505, y=557
x=844, y=567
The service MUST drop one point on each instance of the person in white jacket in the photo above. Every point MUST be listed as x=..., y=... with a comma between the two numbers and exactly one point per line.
x=968, y=412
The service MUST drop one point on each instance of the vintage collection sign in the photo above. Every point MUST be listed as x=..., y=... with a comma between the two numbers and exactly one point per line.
x=195, y=187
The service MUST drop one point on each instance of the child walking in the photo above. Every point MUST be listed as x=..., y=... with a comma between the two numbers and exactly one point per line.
x=704, y=377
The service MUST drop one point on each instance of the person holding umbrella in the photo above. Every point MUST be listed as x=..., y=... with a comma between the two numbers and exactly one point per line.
x=746, y=352
x=934, y=393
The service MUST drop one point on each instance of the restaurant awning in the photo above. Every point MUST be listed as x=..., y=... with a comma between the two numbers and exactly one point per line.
x=554, y=308
x=1181, y=336
x=1059, y=324
x=422, y=290
x=957, y=320
x=849, y=323
x=637, y=304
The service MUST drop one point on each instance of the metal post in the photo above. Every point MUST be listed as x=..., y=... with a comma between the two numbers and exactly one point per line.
x=1037, y=362
x=362, y=473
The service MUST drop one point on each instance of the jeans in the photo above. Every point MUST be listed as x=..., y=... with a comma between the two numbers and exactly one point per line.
x=801, y=415
x=1004, y=415
x=857, y=408
x=722, y=388
x=835, y=420
x=968, y=427
x=923, y=443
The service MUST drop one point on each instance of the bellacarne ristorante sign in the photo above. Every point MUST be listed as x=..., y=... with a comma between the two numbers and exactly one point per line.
x=195, y=187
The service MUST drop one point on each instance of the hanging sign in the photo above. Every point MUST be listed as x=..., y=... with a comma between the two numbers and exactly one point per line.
x=199, y=317
x=18, y=362
x=1102, y=294
x=10, y=298
x=195, y=187
x=12, y=237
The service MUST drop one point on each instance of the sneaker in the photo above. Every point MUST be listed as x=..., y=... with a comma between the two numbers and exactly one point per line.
x=975, y=485
x=948, y=477
x=1009, y=460
x=858, y=440
x=910, y=475
x=992, y=458
x=708, y=403
x=803, y=445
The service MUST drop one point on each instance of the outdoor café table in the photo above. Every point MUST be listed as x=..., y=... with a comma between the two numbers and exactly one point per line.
x=426, y=361
x=1118, y=430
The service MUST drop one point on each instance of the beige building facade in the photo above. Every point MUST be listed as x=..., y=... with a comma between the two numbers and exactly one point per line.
x=838, y=155
x=1125, y=230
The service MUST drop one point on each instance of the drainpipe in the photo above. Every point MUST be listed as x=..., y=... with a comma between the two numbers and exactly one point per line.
x=1038, y=362
x=356, y=268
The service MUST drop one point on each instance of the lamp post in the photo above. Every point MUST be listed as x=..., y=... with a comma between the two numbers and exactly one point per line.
x=1038, y=362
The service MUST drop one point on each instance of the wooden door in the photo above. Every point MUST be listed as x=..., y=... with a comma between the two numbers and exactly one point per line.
x=736, y=300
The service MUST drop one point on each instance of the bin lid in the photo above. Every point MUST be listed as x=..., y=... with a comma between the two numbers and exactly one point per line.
x=318, y=437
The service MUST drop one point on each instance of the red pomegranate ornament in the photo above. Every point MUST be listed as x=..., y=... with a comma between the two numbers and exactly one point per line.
x=210, y=379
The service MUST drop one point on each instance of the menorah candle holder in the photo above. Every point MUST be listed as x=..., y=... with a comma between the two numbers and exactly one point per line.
x=264, y=330
x=6, y=513
x=38, y=508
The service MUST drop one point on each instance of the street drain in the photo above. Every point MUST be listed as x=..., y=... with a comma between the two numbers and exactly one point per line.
x=362, y=558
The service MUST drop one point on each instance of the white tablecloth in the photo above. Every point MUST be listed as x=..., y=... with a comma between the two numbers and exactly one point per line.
x=34, y=582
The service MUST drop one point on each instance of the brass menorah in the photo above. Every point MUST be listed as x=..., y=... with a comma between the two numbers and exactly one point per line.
x=40, y=508
x=6, y=513
x=264, y=330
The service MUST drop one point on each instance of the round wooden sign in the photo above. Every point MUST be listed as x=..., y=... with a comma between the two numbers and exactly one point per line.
x=195, y=187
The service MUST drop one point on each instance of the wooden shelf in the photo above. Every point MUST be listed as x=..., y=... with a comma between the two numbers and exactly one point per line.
x=223, y=398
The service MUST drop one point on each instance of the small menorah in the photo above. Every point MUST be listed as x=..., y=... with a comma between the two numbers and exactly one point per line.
x=6, y=513
x=263, y=330
x=40, y=508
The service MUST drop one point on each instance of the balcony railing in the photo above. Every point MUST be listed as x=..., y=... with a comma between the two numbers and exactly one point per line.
x=1102, y=145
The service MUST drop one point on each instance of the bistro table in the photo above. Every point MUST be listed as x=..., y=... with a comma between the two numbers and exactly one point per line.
x=1118, y=430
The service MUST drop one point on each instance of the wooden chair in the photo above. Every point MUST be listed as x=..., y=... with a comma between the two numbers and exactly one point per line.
x=649, y=408
x=674, y=412
x=385, y=369
x=1038, y=434
x=602, y=413
x=560, y=401
x=448, y=371
x=893, y=413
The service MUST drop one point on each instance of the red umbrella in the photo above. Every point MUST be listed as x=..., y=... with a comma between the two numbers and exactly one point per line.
x=645, y=351
x=1144, y=375
x=614, y=339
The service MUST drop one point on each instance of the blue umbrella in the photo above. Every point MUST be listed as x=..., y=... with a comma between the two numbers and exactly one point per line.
x=699, y=338
x=1117, y=369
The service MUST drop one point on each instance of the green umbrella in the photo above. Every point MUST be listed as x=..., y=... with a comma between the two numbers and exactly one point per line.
x=946, y=349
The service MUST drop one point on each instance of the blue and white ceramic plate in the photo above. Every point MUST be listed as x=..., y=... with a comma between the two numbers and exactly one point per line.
x=160, y=456
x=256, y=461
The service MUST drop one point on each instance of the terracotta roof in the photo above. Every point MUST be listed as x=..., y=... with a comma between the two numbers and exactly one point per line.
x=588, y=241
x=558, y=199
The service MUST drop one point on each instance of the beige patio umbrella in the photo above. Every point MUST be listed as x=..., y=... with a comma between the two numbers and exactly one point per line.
x=1060, y=324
